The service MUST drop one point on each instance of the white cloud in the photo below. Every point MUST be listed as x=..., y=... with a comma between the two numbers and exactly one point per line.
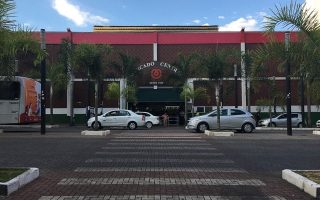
x=221, y=17
x=75, y=14
x=206, y=24
x=249, y=23
x=313, y=5
x=196, y=21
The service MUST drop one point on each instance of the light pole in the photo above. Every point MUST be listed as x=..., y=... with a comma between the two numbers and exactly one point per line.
x=288, y=85
x=43, y=83
x=235, y=86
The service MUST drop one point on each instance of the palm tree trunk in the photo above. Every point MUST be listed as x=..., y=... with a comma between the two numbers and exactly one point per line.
x=308, y=104
x=218, y=106
x=51, y=103
x=96, y=126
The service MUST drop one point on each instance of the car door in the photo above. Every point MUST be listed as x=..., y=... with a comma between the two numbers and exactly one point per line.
x=224, y=118
x=236, y=119
x=123, y=118
x=109, y=119
x=211, y=119
x=294, y=119
x=281, y=120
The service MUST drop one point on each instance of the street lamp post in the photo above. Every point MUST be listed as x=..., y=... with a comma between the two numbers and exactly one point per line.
x=288, y=85
x=43, y=84
x=235, y=86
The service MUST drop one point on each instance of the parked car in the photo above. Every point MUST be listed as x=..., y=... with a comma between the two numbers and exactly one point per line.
x=281, y=120
x=318, y=124
x=230, y=118
x=118, y=118
x=150, y=119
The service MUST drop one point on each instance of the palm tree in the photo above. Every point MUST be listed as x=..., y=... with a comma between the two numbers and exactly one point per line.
x=297, y=17
x=113, y=92
x=91, y=57
x=186, y=63
x=6, y=11
x=15, y=40
x=128, y=70
x=193, y=94
x=216, y=63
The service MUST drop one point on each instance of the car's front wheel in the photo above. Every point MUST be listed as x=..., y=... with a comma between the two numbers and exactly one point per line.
x=132, y=125
x=149, y=124
x=272, y=124
x=202, y=127
x=96, y=126
x=247, y=128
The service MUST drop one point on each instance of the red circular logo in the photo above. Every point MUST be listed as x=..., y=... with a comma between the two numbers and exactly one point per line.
x=156, y=73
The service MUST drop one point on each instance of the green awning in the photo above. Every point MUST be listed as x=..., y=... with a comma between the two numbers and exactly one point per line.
x=159, y=95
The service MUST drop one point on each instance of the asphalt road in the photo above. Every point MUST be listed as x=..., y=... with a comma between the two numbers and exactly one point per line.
x=263, y=154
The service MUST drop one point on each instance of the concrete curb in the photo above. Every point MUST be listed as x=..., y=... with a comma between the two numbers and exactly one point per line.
x=282, y=129
x=14, y=184
x=316, y=132
x=219, y=133
x=95, y=133
x=301, y=182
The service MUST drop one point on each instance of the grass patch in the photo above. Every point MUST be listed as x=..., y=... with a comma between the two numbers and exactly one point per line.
x=7, y=174
x=312, y=175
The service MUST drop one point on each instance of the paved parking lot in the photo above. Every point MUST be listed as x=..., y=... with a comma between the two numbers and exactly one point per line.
x=161, y=163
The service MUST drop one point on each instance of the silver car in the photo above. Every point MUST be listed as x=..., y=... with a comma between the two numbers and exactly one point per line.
x=118, y=118
x=150, y=119
x=230, y=118
x=281, y=120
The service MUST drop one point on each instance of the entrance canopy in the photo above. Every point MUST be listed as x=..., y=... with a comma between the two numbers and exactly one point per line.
x=159, y=95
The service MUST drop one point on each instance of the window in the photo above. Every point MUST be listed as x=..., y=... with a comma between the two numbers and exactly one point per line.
x=294, y=116
x=124, y=113
x=237, y=112
x=224, y=112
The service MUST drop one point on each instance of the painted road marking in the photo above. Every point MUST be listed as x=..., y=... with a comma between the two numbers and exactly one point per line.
x=161, y=181
x=159, y=197
x=138, y=160
x=158, y=169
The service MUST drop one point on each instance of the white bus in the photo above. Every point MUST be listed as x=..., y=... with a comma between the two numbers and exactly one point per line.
x=19, y=100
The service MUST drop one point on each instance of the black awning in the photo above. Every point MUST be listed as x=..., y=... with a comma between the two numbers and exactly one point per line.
x=159, y=95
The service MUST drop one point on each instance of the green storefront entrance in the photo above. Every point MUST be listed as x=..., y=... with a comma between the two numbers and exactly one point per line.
x=160, y=100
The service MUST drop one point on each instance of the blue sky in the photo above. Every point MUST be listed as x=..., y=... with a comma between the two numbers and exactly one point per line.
x=82, y=15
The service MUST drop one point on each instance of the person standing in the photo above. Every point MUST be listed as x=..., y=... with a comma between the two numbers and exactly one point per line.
x=165, y=119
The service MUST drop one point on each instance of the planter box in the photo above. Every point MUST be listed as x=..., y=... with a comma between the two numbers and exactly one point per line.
x=96, y=133
x=219, y=133
x=14, y=184
x=302, y=182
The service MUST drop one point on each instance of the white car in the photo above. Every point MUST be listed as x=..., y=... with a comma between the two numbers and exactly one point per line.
x=150, y=119
x=318, y=124
x=118, y=118
x=230, y=118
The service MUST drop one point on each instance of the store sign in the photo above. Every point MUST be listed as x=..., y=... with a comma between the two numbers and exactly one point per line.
x=158, y=65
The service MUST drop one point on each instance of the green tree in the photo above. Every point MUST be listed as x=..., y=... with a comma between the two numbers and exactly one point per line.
x=128, y=70
x=193, y=94
x=216, y=64
x=296, y=16
x=15, y=41
x=113, y=92
x=186, y=64
x=92, y=58
x=130, y=93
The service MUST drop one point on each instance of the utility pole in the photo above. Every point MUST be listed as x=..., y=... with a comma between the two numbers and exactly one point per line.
x=288, y=85
x=235, y=86
x=43, y=84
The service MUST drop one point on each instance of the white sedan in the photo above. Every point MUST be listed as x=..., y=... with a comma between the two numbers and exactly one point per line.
x=150, y=119
x=118, y=118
